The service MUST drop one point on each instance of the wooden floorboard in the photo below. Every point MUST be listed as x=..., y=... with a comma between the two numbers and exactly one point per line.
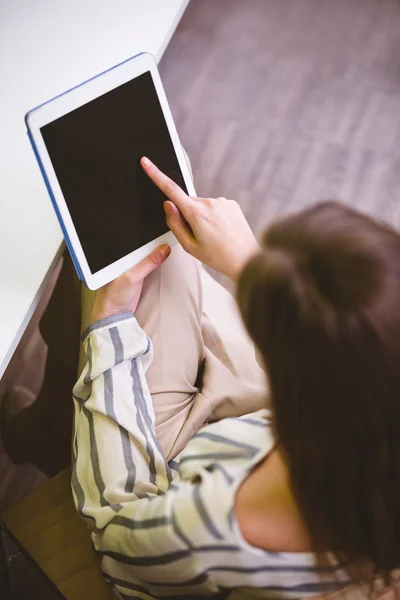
x=282, y=103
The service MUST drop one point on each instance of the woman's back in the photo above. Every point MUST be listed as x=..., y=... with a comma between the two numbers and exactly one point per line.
x=238, y=515
x=266, y=509
x=321, y=301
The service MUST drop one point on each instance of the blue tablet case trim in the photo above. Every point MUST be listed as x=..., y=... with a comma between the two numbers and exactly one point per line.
x=54, y=203
x=43, y=172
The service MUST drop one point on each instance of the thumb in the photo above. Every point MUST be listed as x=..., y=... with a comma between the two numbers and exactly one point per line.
x=150, y=263
x=178, y=225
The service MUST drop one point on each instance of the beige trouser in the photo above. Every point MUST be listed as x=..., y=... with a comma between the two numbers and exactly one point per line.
x=204, y=365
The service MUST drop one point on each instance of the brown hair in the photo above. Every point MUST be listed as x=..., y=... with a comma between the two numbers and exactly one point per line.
x=322, y=302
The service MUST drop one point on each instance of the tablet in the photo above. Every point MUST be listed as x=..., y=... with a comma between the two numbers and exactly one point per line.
x=88, y=143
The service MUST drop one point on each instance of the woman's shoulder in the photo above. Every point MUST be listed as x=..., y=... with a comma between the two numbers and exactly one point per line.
x=266, y=510
x=254, y=477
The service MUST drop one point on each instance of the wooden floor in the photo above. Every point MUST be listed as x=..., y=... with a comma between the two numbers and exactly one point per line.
x=279, y=103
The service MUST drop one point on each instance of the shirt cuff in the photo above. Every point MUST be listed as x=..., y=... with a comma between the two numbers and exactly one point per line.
x=106, y=322
x=112, y=340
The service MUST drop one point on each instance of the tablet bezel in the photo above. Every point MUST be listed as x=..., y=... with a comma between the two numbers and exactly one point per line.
x=69, y=101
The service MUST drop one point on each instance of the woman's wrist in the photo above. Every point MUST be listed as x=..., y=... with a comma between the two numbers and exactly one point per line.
x=237, y=265
x=104, y=310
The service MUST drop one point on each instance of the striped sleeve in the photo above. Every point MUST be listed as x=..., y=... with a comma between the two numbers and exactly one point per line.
x=144, y=526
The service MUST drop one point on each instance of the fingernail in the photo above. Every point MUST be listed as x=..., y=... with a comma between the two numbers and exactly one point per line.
x=167, y=207
x=145, y=161
x=165, y=250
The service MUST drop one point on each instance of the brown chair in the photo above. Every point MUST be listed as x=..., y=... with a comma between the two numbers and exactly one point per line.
x=47, y=529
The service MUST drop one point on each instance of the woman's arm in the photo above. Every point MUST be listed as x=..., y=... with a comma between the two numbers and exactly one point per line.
x=214, y=231
x=148, y=529
x=117, y=456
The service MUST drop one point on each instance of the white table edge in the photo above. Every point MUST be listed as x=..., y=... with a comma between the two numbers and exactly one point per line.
x=17, y=338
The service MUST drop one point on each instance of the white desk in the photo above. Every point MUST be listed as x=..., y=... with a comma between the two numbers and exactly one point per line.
x=47, y=47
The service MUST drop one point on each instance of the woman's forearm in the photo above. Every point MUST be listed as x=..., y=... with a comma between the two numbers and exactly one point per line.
x=121, y=482
x=117, y=458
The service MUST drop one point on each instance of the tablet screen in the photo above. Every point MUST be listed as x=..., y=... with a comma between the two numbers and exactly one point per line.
x=95, y=151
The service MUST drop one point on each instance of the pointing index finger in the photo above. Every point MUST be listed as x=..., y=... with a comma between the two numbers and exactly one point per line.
x=166, y=185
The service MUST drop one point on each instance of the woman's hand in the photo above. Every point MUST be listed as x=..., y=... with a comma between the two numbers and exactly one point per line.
x=123, y=294
x=213, y=230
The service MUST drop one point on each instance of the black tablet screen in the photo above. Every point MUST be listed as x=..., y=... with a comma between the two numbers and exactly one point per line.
x=95, y=151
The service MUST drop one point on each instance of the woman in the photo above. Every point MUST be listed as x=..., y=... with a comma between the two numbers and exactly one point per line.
x=289, y=502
